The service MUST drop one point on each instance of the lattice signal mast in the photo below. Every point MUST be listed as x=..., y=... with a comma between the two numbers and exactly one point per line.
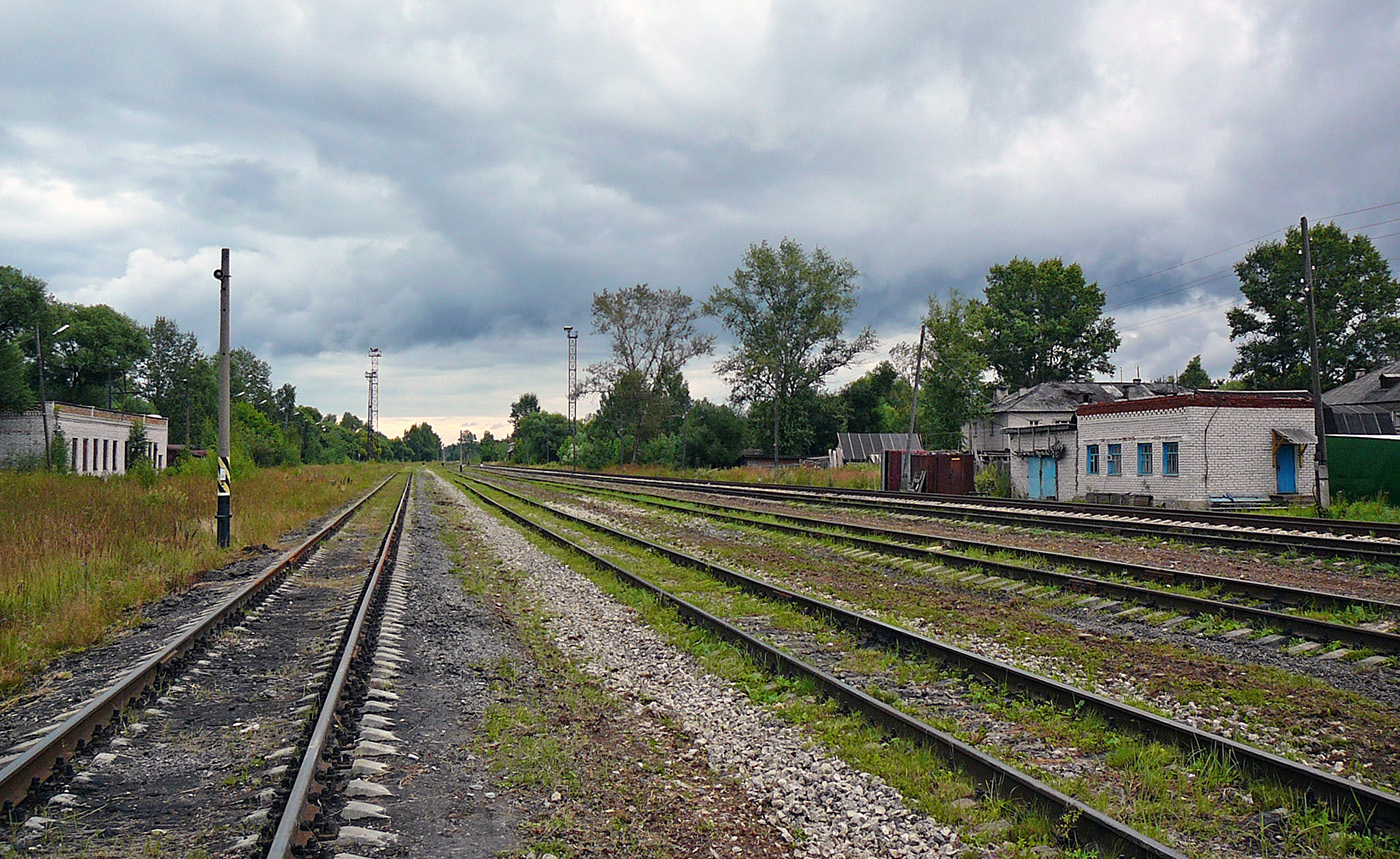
x=373, y=377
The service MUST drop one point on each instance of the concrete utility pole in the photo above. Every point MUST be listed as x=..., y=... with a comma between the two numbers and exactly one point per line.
x=905, y=467
x=1324, y=487
x=461, y=451
x=224, y=516
x=43, y=396
x=573, y=394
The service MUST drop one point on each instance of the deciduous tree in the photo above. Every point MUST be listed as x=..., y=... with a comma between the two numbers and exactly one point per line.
x=788, y=309
x=1356, y=300
x=1194, y=376
x=1044, y=323
x=950, y=384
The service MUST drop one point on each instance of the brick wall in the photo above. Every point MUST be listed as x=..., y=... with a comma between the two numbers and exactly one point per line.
x=1221, y=451
x=95, y=439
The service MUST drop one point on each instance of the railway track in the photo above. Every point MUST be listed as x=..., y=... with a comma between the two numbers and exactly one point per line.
x=1085, y=824
x=260, y=680
x=1045, y=568
x=1361, y=541
x=1343, y=795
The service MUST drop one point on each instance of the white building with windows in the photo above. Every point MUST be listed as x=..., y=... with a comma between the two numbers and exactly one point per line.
x=1202, y=449
x=94, y=439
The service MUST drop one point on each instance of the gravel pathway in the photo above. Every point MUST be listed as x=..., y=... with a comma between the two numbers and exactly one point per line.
x=826, y=807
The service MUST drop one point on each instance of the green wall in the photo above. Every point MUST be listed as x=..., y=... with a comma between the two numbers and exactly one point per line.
x=1364, y=466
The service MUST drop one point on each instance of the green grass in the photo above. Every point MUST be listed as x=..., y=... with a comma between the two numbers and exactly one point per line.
x=81, y=553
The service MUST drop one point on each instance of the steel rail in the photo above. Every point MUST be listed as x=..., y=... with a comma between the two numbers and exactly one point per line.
x=1088, y=825
x=1144, y=572
x=53, y=753
x=1356, y=636
x=1371, y=804
x=293, y=830
x=1339, y=527
x=1086, y=520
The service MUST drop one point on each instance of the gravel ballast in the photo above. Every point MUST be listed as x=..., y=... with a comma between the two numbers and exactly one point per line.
x=818, y=802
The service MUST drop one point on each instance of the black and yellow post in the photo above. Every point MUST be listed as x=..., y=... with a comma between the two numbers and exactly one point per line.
x=225, y=512
x=224, y=515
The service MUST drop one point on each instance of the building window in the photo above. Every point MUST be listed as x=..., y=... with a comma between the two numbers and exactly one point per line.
x=104, y=454
x=85, y=456
x=1171, y=463
x=74, y=464
x=1115, y=458
x=1145, y=458
x=1091, y=459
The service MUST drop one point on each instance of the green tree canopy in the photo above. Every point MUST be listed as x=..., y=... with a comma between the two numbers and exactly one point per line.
x=1044, y=323
x=1356, y=299
x=652, y=335
x=870, y=402
x=950, y=384
x=1194, y=376
x=713, y=436
x=423, y=445
x=528, y=404
x=788, y=309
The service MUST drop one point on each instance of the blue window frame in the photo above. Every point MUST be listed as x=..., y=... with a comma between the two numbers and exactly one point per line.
x=1091, y=459
x=1171, y=460
x=1145, y=458
x=1115, y=458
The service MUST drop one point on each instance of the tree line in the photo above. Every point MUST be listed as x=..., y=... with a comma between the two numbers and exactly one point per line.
x=94, y=355
x=788, y=308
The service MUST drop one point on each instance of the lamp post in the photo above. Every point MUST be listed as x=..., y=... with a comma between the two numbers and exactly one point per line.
x=570, y=333
x=43, y=396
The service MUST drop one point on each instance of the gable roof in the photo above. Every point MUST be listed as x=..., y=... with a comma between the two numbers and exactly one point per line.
x=1381, y=385
x=860, y=446
x=1068, y=396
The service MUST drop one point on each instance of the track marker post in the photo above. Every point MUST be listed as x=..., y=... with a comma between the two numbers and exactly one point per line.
x=224, y=515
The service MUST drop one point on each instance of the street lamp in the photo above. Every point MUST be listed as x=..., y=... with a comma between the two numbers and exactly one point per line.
x=570, y=333
x=43, y=396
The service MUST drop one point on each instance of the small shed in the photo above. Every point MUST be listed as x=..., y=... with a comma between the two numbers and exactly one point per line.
x=868, y=446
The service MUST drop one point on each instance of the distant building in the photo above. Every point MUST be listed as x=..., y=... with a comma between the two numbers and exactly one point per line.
x=94, y=439
x=1202, y=449
x=1030, y=432
x=1049, y=403
x=1379, y=388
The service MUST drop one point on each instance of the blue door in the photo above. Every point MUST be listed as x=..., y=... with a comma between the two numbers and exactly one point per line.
x=1041, y=471
x=1286, y=464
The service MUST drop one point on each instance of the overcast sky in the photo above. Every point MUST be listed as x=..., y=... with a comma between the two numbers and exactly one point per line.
x=452, y=181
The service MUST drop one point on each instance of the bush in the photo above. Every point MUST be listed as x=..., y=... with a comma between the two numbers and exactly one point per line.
x=993, y=480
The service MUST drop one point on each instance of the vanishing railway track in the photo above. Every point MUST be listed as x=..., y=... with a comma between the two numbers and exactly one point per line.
x=1260, y=608
x=1346, y=796
x=226, y=682
x=1363, y=541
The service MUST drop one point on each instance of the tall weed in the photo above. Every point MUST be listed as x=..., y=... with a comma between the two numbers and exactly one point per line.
x=80, y=554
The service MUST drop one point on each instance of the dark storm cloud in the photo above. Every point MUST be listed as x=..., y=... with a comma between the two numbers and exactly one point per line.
x=450, y=180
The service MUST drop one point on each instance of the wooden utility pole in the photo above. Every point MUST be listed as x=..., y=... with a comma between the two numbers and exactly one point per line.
x=1324, y=488
x=224, y=516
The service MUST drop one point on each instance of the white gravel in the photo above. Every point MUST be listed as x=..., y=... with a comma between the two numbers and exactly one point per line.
x=818, y=802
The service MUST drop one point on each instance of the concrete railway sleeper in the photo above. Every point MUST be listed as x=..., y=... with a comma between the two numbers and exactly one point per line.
x=1271, y=535
x=302, y=826
x=896, y=542
x=228, y=685
x=1083, y=824
x=1345, y=796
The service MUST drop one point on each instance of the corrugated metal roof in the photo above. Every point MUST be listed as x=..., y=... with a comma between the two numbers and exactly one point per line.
x=1381, y=385
x=1208, y=399
x=860, y=446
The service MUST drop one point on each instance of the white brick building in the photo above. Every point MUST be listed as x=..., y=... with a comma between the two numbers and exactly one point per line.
x=1192, y=450
x=94, y=439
